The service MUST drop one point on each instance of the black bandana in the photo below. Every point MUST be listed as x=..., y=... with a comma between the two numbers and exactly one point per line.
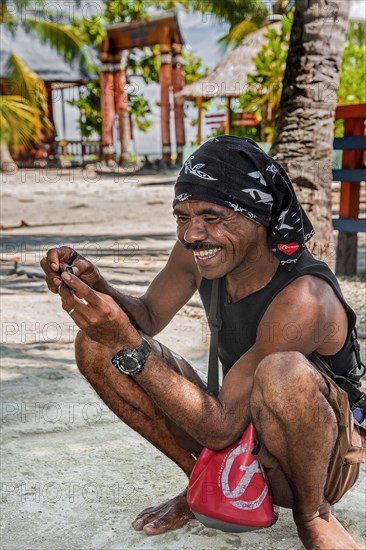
x=236, y=173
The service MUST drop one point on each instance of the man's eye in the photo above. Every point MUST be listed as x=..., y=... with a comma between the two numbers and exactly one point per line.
x=212, y=219
x=182, y=219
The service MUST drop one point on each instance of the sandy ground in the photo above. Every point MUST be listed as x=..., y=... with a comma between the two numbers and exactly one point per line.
x=73, y=476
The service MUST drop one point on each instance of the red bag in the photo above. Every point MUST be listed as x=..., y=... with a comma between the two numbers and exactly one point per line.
x=229, y=489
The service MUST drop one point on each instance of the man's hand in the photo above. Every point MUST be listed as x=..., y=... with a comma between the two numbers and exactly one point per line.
x=84, y=269
x=96, y=314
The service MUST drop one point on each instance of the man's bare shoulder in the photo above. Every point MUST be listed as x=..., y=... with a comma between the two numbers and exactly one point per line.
x=310, y=303
x=310, y=291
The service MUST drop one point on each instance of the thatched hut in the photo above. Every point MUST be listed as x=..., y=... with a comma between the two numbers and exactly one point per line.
x=228, y=78
x=48, y=64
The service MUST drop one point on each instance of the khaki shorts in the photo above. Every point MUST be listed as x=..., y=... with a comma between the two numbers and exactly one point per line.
x=349, y=451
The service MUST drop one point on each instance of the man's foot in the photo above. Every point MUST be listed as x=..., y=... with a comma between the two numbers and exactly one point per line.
x=325, y=533
x=172, y=514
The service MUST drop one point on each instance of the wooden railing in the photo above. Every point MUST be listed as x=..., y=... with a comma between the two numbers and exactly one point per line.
x=352, y=173
x=218, y=120
x=79, y=151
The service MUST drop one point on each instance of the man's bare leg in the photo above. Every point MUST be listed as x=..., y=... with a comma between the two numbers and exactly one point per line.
x=136, y=409
x=298, y=427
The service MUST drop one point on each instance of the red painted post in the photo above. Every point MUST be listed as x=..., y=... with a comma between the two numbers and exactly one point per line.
x=354, y=117
x=178, y=84
x=121, y=103
x=107, y=109
x=165, y=77
x=350, y=192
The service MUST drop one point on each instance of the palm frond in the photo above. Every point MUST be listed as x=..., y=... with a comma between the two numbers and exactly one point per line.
x=19, y=121
x=23, y=81
x=6, y=16
x=233, y=11
x=241, y=30
x=62, y=38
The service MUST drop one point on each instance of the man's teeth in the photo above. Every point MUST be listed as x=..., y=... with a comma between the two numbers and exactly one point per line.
x=206, y=253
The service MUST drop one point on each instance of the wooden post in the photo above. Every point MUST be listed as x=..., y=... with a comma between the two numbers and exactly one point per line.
x=178, y=84
x=121, y=104
x=63, y=114
x=199, y=120
x=50, y=106
x=107, y=109
x=228, y=115
x=346, y=263
x=165, y=77
x=52, y=151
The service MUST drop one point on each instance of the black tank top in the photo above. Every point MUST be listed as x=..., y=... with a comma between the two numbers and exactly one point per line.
x=240, y=320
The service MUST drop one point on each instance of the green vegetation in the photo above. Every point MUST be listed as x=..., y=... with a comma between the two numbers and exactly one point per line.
x=264, y=87
x=353, y=72
x=243, y=16
x=143, y=63
x=24, y=112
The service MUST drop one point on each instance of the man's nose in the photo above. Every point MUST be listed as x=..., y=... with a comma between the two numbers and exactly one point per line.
x=196, y=231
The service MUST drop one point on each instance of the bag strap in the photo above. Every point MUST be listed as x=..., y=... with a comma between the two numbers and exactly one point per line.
x=356, y=397
x=214, y=322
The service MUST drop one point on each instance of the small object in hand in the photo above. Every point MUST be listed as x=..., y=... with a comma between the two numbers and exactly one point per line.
x=65, y=267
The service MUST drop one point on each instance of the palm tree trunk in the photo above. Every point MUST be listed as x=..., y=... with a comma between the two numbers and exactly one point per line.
x=303, y=137
x=7, y=164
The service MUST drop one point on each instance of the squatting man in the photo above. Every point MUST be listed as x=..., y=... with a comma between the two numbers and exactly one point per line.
x=238, y=220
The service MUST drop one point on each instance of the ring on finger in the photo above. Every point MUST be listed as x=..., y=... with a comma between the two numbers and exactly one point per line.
x=71, y=311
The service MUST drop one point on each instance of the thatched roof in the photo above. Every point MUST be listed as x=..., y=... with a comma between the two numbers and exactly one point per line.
x=229, y=76
x=40, y=57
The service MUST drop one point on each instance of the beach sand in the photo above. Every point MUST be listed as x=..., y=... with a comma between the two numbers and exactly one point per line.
x=73, y=476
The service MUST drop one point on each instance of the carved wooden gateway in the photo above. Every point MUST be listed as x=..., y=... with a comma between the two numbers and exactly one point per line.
x=138, y=34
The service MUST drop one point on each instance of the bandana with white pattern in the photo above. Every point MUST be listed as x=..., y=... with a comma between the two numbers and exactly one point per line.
x=236, y=173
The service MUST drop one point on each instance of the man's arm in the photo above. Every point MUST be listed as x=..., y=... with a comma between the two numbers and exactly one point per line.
x=150, y=313
x=306, y=305
x=297, y=320
x=167, y=293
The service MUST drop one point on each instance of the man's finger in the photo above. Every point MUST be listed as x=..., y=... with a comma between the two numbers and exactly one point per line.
x=57, y=255
x=82, y=290
x=69, y=301
x=51, y=276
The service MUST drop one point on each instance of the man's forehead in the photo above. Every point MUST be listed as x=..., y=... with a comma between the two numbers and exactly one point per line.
x=200, y=207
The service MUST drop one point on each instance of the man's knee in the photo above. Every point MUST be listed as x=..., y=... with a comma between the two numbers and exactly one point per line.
x=86, y=352
x=285, y=383
x=285, y=373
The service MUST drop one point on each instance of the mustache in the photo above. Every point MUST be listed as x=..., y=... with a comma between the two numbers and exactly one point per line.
x=200, y=246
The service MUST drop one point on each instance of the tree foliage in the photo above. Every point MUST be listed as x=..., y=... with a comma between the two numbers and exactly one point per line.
x=264, y=87
x=244, y=16
x=352, y=87
x=143, y=63
x=23, y=109
x=37, y=19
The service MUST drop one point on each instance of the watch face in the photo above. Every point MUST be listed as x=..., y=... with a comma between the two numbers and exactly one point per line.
x=129, y=362
x=132, y=361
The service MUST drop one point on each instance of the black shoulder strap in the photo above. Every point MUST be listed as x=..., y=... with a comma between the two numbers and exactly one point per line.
x=214, y=321
x=356, y=397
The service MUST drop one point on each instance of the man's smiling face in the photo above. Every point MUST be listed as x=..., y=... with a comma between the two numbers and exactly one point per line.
x=222, y=241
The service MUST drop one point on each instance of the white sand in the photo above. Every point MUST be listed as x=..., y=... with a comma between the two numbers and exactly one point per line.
x=73, y=476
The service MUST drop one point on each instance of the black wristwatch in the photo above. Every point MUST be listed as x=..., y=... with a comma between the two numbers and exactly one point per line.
x=132, y=361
